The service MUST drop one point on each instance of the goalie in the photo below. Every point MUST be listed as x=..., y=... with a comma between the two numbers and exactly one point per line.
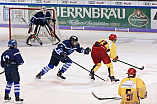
x=41, y=18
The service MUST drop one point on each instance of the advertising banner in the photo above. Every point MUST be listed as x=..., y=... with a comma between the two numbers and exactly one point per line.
x=153, y=18
x=104, y=17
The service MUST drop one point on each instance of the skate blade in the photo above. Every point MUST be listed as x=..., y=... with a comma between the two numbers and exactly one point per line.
x=37, y=78
x=92, y=80
x=19, y=102
x=6, y=101
x=115, y=82
x=59, y=78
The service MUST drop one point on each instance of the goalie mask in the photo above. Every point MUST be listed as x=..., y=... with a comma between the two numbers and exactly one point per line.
x=44, y=10
x=74, y=41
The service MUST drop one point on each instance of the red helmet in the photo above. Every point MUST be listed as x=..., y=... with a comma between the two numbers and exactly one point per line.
x=113, y=37
x=131, y=72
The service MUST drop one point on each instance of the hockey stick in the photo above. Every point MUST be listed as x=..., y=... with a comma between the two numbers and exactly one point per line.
x=131, y=65
x=88, y=70
x=2, y=72
x=114, y=98
x=35, y=35
x=54, y=35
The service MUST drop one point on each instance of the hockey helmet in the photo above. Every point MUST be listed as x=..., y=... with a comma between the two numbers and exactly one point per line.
x=12, y=43
x=44, y=9
x=113, y=37
x=74, y=40
x=131, y=72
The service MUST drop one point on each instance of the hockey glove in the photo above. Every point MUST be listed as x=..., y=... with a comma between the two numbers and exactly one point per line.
x=144, y=95
x=87, y=50
x=63, y=54
x=115, y=59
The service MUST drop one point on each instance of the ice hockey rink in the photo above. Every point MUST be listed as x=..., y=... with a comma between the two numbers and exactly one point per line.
x=139, y=49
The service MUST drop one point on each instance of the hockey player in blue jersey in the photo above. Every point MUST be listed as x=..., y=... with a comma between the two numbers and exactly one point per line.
x=41, y=18
x=60, y=53
x=10, y=60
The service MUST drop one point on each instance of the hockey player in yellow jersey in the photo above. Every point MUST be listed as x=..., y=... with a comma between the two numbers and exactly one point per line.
x=99, y=53
x=132, y=88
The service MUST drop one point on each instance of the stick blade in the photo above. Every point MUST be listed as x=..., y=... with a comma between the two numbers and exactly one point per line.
x=115, y=98
x=142, y=68
x=97, y=97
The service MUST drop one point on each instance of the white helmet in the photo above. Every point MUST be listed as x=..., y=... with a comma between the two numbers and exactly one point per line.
x=44, y=9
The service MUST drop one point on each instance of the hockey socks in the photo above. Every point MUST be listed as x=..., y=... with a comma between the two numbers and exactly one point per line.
x=47, y=68
x=8, y=87
x=66, y=66
x=17, y=88
x=44, y=70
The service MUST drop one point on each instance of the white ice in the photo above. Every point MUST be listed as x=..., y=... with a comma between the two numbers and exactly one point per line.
x=139, y=49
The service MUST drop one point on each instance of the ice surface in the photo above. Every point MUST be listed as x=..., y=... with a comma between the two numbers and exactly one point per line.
x=138, y=49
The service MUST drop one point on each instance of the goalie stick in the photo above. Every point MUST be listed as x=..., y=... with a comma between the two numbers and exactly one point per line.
x=54, y=35
x=114, y=98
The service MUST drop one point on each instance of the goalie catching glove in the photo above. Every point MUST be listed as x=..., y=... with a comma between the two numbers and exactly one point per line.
x=115, y=59
x=87, y=50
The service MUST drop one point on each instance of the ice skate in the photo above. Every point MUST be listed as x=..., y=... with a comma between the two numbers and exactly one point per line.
x=18, y=99
x=113, y=79
x=59, y=74
x=6, y=98
x=92, y=75
x=38, y=76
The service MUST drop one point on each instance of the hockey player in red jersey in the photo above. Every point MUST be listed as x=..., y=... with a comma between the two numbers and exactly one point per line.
x=131, y=88
x=99, y=53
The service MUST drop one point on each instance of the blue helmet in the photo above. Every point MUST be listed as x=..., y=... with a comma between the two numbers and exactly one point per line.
x=12, y=43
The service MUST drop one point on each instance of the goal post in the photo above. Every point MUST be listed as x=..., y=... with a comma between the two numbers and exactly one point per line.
x=19, y=20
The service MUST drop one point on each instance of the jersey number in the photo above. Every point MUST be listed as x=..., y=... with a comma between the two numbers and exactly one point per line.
x=103, y=42
x=6, y=57
x=129, y=95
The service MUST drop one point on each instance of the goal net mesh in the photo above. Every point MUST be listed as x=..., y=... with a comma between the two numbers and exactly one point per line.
x=19, y=19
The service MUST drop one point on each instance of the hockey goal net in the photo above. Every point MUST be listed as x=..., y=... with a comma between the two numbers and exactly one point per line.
x=19, y=19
